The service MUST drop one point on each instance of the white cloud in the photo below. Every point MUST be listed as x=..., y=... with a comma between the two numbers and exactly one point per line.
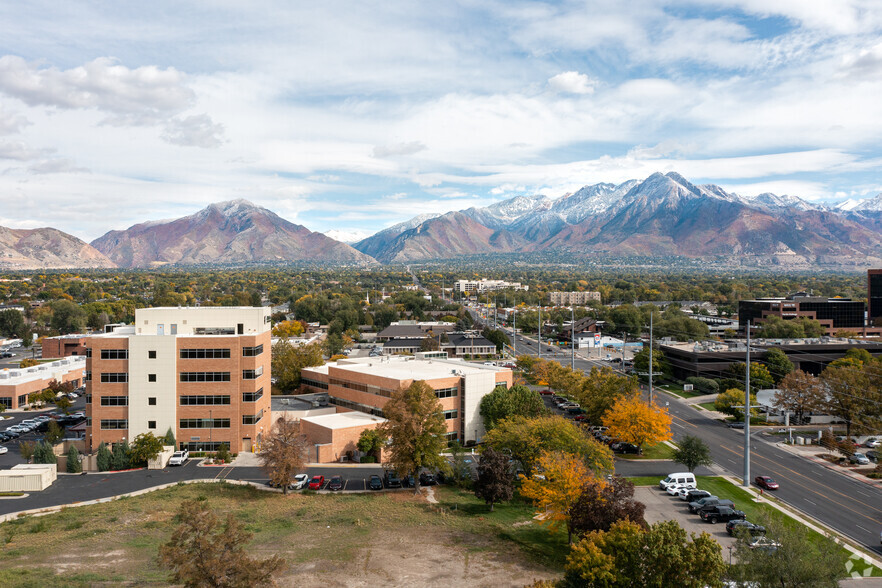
x=59, y=165
x=11, y=122
x=398, y=149
x=194, y=131
x=20, y=151
x=572, y=82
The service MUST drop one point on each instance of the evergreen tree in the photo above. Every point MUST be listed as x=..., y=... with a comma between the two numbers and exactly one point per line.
x=170, y=438
x=44, y=454
x=73, y=461
x=120, y=457
x=104, y=458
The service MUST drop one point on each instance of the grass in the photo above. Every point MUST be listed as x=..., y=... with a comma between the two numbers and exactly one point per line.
x=677, y=390
x=707, y=405
x=657, y=451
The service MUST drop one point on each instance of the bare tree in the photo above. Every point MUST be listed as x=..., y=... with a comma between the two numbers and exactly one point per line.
x=283, y=453
x=799, y=393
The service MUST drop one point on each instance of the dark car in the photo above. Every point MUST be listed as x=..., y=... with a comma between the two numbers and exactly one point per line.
x=873, y=456
x=408, y=482
x=336, y=483
x=714, y=505
x=736, y=526
x=736, y=425
x=696, y=505
x=722, y=513
x=316, y=483
x=696, y=494
x=376, y=483
x=766, y=482
x=392, y=480
x=427, y=479
x=622, y=447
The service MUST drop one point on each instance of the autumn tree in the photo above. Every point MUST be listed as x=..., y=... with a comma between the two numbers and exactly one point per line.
x=627, y=556
x=146, y=446
x=634, y=421
x=504, y=402
x=202, y=552
x=779, y=365
x=26, y=449
x=602, y=503
x=692, y=452
x=283, y=452
x=799, y=393
x=600, y=389
x=288, y=361
x=286, y=329
x=853, y=392
x=494, y=483
x=525, y=439
x=416, y=429
x=556, y=490
x=54, y=432
x=728, y=400
x=430, y=344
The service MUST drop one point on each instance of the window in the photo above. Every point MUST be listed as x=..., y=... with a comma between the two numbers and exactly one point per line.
x=203, y=445
x=252, y=374
x=114, y=354
x=88, y=352
x=252, y=419
x=23, y=399
x=202, y=400
x=151, y=424
x=205, y=353
x=205, y=376
x=111, y=424
x=114, y=401
x=88, y=399
x=87, y=376
x=205, y=423
x=151, y=377
x=151, y=401
x=214, y=331
x=6, y=401
x=313, y=383
x=252, y=351
x=447, y=392
x=252, y=396
x=450, y=414
x=151, y=354
x=114, y=378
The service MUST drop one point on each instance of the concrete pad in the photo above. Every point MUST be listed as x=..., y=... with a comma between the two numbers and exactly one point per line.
x=247, y=460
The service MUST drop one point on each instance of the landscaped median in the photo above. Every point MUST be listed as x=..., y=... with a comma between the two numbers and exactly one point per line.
x=766, y=507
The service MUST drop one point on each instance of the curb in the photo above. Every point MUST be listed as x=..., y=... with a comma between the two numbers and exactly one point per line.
x=829, y=466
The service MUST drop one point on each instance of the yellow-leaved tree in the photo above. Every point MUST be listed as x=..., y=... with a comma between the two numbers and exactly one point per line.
x=557, y=487
x=632, y=420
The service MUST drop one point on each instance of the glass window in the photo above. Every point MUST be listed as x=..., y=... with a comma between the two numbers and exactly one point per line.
x=205, y=353
x=205, y=376
x=114, y=354
x=114, y=378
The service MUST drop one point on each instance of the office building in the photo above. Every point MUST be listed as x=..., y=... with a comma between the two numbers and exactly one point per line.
x=63, y=346
x=834, y=314
x=485, y=285
x=573, y=298
x=203, y=372
x=17, y=384
x=874, y=297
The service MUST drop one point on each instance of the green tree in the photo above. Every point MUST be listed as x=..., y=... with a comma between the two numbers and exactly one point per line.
x=63, y=403
x=169, y=438
x=604, y=502
x=504, y=402
x=384, y=315
x=460, y=472
x=43, y=453
x=760, y=378
x=27, y=449
x=203, y=553
x=495, y=481
x=370, y=442
x=693, y=452
x=853, y=393
x=12, y=323
x=67, y=317
x=704, y=385
x=120, y=456
x=54, y=433
x=73, y=461
x=145, y=447
x=660, y=364
x=600, y=389
x=728, y=400
x=104, y=458
x=416, y=429
x=778, y=363
x=288, y=361
x=333, y=344
x=499, y=338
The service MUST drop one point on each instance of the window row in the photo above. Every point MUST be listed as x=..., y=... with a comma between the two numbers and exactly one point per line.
x=252, y=396
x=447, y=392
x=205, y=376
x=356, y=406
x=114, y=377
x=205, y=423
x=114, y=354
x=252, y=419
x=252, y=351
x=110, y=424
x=370, y=389
x=203, y=445
x=114, y=401
x=450, y=414
x=204, y=399
x=252, y=374
x=314, y=383
x=205, y=353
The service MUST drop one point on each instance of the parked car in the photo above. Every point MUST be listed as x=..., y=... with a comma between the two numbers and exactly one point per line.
x=683, y=478
x=4, y=437
x=872, y=442
x=736, y=425
x=427, y=479
x=859, y=458
x=392, y=479
x=714, y=505
x=674, y=489
x=743, y=526
x=336, y=483
x=3, y=450
x=317, y=482
x=622, y=447
x=178, y=458
x=695, y=494
x=300, y=482
x=873, y=456
x=376, y=483
x=545, y=392
x=11, y=433
x=766, y=482
x=764, y=544
x=721, y=513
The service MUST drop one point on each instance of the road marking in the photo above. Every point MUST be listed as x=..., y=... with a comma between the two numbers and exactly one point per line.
x=859, y=527
x=810, y=501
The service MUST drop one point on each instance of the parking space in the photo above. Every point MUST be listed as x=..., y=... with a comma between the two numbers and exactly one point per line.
x=662, y=507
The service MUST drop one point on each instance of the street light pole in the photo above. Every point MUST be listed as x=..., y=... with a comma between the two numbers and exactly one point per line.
x=746, y=481
x=573, y=339
x=514, y=332
x=539, y=342
x=650, y=358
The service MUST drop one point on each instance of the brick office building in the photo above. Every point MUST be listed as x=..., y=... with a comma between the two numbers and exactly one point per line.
x=874, y=297
x=203, y=372
x=63, y=346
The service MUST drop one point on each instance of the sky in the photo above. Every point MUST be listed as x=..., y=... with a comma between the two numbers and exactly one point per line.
x=352, y=116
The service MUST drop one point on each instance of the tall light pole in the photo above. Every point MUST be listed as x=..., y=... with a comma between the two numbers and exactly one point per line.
x=514, y=332
x=650, y=358
x=539, y=342
x=746, y=481
x=573, y=339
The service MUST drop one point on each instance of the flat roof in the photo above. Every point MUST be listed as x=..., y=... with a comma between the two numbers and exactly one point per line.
x=412, y=368
x=344, y=420
x=741, y=346
x=43, y=371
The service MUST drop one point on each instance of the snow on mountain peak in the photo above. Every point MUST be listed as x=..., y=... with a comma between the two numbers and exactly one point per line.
x=873, y=204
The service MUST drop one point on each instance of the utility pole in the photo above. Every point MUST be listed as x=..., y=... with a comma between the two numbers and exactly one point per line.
x=651, y=367
x=514, y=332
x=539, y=342
x=573, y=339
x=746, y=481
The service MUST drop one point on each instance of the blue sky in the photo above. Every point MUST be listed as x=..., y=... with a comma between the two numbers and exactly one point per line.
x=350, y=117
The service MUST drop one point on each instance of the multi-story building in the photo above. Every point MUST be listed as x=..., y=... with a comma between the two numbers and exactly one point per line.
x=485, y=285
x=834, y=314
x=63, y=346
x=17, y=384
x=573, y=298
x=203, y=372
x=366, y=384
x=874, y=297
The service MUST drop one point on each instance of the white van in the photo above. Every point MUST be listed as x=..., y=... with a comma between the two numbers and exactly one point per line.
x=682, y=479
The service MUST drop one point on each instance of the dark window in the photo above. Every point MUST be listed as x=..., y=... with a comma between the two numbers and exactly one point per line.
x=205, y=376
x=151, y=377
x=252, y=396
x=205, y=423
x=252, y=419
x=252, y=351
x=88, y=399
x=151, y=401
x=203, y=399
x=23, y=399
x=450, y=414
x=114, y=401
x=151, y=424
x=252, y=374
x=114, y=354
x=205, y=353
x=114, y=378
x=109, y=424
x=203, y=445
x=87, y=376
x=6, y=401
x=314, y=383
x=151, y=354
x=88, y=352
x=447, y=392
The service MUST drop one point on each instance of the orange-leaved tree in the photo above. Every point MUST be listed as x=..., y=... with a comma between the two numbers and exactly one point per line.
x=557, y=488
x=634, y=421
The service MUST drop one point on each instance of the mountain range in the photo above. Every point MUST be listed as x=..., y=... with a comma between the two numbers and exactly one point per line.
x=663, y=215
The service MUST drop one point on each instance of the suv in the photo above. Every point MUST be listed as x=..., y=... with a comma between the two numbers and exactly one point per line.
x=697, y=505
x=695, y=494
x=722, y=513
x=179, y=457
x=427, y=479
x=392, y=479
x=376, y=483
x=736, y=526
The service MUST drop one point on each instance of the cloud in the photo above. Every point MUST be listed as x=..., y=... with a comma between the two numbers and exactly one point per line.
x=398, y=149
x=194, y=131
x=56, y=166
x=132, y=96
x=572, y=82
x=20, y=151
x=11, y=122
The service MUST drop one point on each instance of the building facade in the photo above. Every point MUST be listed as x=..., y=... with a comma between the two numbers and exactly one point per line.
x=485, y=285
x=203, y=372
x=16, y=385
x=874, y=297
x=834, y=314
x=63, y=346
x=573, y=298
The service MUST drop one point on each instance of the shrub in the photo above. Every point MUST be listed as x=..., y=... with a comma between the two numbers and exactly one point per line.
x=104, y=458
x=704, y=385
x=73, y=461
x=368, y=459
x=223, y=453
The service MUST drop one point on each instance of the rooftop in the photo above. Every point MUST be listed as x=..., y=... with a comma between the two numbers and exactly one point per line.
x=740, y=345
x=43, y=371
x=412, y=368
x=344, y=420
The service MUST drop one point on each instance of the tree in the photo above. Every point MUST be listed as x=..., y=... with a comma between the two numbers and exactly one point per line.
x=286, y=329
x=27, y=362
x=525, y=439
x=416, y=430
x=73, y=461
x=504, y=402
x=633, y=421
x=54, y=433
x=848, y=388
x=67, y=317
x=778, y=363
x=728, y=400
x=460, y=472
x=799, y=393
x=288, y=361
x=371, y=442
x=498, y=337
x=628, y=555
x=283, y=453
x=333, y=344
x=120, y=456
x=27, y=450
x=169, y=438
x=12, y=323
x=599, y=390
x=104, y=458
x=494, y=483
x=693, y=452
x=660, y=364
x=603, y=503
x=760, y=378
x=63, y=404
x=43, y=453
x=384, y=315
x=801, y=559
x=557, y=488
x=704, y=385
x=430, y=344
x=201, y=552
x=145, y=447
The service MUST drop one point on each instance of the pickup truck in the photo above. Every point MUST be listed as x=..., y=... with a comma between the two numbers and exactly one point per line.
x=722, y=513
x=178, y=458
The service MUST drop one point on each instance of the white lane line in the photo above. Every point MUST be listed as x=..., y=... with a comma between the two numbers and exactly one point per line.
x=863, y=493
x=857, y=525
x=810, y=502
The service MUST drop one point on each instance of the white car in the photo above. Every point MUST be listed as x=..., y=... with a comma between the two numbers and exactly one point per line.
x=300, y=482
x=873, y=442
x=5, y=450
x=178, y=458
x=683, y=494
x=674, y=489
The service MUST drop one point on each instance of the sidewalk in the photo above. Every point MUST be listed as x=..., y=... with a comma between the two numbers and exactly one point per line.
x=810, y=452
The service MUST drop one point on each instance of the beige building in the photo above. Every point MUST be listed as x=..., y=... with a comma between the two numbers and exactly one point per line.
x=485, y=285
x=204, y=372
x=334, y=437
x=573, y=298
x=17, y=384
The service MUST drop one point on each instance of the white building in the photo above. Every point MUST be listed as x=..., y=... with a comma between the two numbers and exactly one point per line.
x=485, y=285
